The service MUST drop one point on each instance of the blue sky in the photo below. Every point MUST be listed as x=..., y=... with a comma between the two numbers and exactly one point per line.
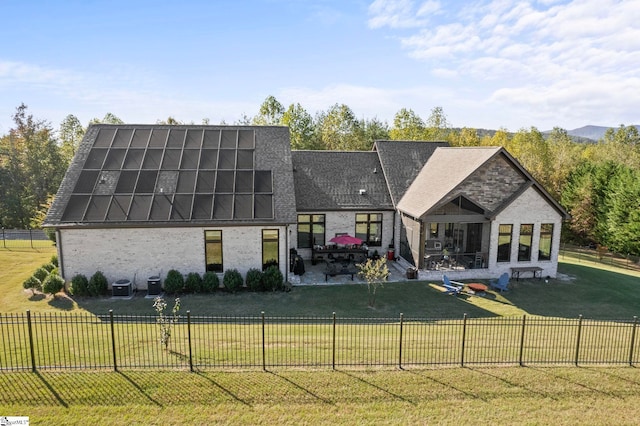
x=488, y=64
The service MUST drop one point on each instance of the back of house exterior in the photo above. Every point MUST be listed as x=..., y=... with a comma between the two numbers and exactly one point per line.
x=139, y=200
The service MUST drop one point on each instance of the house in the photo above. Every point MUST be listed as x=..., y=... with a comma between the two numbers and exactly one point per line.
x=139, y=200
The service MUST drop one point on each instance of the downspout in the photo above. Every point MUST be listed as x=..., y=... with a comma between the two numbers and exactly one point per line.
x=59, y=250
x=287, y=253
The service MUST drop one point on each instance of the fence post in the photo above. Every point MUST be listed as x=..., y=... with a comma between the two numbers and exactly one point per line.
x=4, y=238
x=189, y=338
x=264, y=361
x=31, y=237
x=578, y=339
x=400, y=351
x=633, y=340
x=31, y=348
x=113, y=341
x=464, y=336
x=333, y=344
x=524, y=318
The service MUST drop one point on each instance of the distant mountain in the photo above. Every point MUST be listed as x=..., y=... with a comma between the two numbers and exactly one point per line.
x=589, y=133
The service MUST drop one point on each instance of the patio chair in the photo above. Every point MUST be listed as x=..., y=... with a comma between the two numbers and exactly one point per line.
x=447, y=281
x=502, y=284
x=452, y=287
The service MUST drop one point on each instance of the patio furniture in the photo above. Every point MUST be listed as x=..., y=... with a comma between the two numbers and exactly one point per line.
x=477, y=288
x=517, y=271
x=452, y=287
x=324, y=253
x=502, y=284
x=334, y=269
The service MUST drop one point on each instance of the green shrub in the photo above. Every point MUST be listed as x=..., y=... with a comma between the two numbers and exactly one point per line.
x=193, y=283
x=51, y=234
x=53, y=284
x=41, y=274
x=174, y=283
x=232, y=280
x=98, y=284
x=54, y=260
x=79, y=285
x=49, y=267
x=273, y=279
x=254, y=280
x=33, y=284
x=210, y=282
x=268, y=264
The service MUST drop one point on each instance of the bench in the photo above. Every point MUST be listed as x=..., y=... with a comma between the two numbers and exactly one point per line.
x=536, y=270
x=334, y=269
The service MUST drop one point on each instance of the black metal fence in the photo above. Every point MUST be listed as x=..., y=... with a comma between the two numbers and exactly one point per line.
x=54, y=341
x=24, y=238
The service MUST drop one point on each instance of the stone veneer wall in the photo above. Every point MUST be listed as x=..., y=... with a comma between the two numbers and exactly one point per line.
x=492, y=184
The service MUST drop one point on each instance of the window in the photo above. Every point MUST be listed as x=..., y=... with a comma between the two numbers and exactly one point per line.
x=433, y=230
x=504, y=243
x=270, y=253
x=213, y=250
x=524, y=246
x=546, y=237
x=310, y=230
x=369, y=228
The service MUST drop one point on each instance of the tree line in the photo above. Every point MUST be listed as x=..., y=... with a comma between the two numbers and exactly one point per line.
x=599, y=184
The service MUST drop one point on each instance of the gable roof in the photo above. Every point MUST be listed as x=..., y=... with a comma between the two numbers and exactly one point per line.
x=448, y=168
x=143, y=174
x=402, y=161
x=333, y=180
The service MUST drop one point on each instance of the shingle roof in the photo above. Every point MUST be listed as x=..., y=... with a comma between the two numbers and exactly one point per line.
x=145, y=174
x=446, y=169
x=402, y=161
x=332, y=180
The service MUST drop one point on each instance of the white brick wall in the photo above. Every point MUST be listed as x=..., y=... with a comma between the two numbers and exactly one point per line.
x=143, y=252
x=529, y=208
x=345, y=221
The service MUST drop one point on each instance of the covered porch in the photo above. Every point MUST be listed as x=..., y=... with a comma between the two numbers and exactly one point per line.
x=453, y=238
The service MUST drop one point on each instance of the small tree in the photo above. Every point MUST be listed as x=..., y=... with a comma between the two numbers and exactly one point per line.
x=165, y=322
x=53, y=284
x=254, y=279
x=374, y=272
x=41, y=274
x=79, y=285
x=193, y=283
x=174, y=283
x=273, y=279
x=210, y=282
x=98, y=284
x=33, y=284
x=232, y=280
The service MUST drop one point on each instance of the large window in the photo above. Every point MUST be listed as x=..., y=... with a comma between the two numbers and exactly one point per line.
x=270, y=252
x=369, y=228
x=504, y=243
x=546, y=237
x=524, y=246
x=310, y=230
x=213, y=250
x=434, y=229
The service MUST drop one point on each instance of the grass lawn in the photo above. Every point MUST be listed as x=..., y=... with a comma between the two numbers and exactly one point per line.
x=595, y=290
x=556, y=396
x=444, y=396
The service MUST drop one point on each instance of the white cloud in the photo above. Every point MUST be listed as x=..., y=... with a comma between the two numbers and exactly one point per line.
x=401, y=13
x=572, y=57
